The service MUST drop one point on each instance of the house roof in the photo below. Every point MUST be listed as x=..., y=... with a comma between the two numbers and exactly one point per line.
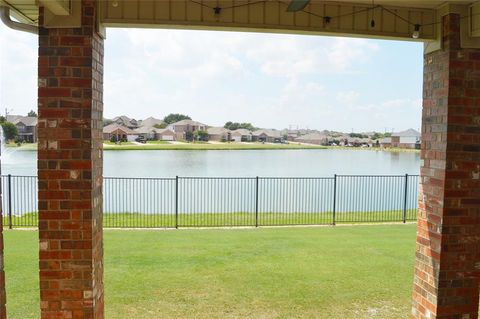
x=144, y=130
x=114, y=126
x=269, y=133
x=312, y=136
x=410, y=133
x=26, y=120
x=164, y=131
x=188, y=122
x=13, y=118
x=125, y=120
x=217, y=131
x=150, y=122
x=242, y=132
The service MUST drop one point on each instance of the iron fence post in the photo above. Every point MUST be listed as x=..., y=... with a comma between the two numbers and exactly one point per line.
x=405, y=200
x=10, y=223
x=176, y=202
x=334, y=199
x=256, y=201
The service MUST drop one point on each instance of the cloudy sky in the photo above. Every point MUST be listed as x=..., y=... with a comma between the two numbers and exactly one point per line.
x=271, y=80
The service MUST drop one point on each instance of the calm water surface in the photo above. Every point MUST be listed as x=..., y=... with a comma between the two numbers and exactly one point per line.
x=268, y=163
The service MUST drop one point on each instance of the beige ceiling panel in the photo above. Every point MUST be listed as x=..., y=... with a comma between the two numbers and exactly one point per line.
x=146, y=10
x=257, y=13
x=227, y=13
x=345, y=21
x=207, y=11
x=286, y=18
x=114, y=9
x=475, y=19
x=130, y=9
x=194, y=12
x=162, y=10
x=302, y=19
x=240, y=14
x=271, y=15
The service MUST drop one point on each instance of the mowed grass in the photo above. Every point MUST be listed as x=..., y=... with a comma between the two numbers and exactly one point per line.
x=231, y=219
x=324, y=272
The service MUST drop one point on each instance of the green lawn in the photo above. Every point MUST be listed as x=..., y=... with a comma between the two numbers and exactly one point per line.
x=113, y=144
x=157, y=142
x=343, y=272
x=139, y=220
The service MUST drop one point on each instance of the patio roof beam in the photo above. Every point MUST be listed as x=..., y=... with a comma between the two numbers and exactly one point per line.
x=57, y=7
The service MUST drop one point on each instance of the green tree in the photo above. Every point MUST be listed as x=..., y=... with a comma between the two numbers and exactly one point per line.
x=358, y=135
x=32, y=113
x=10, y=131
x=175, y=117
x=235, y=126
x=2, y=119
x=202, y=135
x=163, y=125
x=107, y=122
x=189, y=136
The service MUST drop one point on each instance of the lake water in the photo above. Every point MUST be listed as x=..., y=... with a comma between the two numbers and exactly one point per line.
x=268, y=163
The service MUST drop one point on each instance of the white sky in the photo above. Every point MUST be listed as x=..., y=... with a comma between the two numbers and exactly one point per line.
x=270, y=80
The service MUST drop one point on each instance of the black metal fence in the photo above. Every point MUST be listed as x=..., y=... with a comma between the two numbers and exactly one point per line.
x=224, y=201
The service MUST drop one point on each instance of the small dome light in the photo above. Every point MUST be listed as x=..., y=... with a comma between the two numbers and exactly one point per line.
x=416, y=32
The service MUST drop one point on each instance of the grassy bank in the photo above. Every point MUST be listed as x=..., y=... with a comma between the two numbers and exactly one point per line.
x=209, y=146
x=139, y=220
x=162, y=145
x=348, y=272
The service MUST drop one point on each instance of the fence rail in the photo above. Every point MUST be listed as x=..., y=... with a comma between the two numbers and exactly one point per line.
x=228, y=201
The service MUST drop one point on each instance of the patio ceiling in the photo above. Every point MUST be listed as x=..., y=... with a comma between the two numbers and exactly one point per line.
x=393, y=19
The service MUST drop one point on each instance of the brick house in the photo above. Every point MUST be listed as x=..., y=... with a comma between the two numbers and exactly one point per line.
x=409, y=139
x=219, y=134
x=164, y=134
x=26, y=126
x=269, y=136
x=180, y=128
x=118, y=131
x=313, y=138
x=126, y=121
x=241, y=135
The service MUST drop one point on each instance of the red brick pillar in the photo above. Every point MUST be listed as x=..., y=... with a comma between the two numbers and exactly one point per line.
x=447, y=264
x=70, y=94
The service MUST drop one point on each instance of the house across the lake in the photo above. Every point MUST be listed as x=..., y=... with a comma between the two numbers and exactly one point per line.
x=241, y=135
x=125, y=121
x=119, y=132
x=219, y=134
x=313, y=138
x=26, y=126
x=409, y=139
x=269, y=136
x=164, y=134
x=181, y=128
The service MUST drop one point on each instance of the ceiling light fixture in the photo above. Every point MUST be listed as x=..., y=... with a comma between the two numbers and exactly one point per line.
x=416, y=32
x=297, y=5
x=372, y=23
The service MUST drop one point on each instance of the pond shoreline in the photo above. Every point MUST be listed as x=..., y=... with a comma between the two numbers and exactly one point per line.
x=225, y=147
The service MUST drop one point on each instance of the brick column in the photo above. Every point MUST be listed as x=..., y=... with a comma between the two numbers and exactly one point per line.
x=447, y=264
x=70, y=80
